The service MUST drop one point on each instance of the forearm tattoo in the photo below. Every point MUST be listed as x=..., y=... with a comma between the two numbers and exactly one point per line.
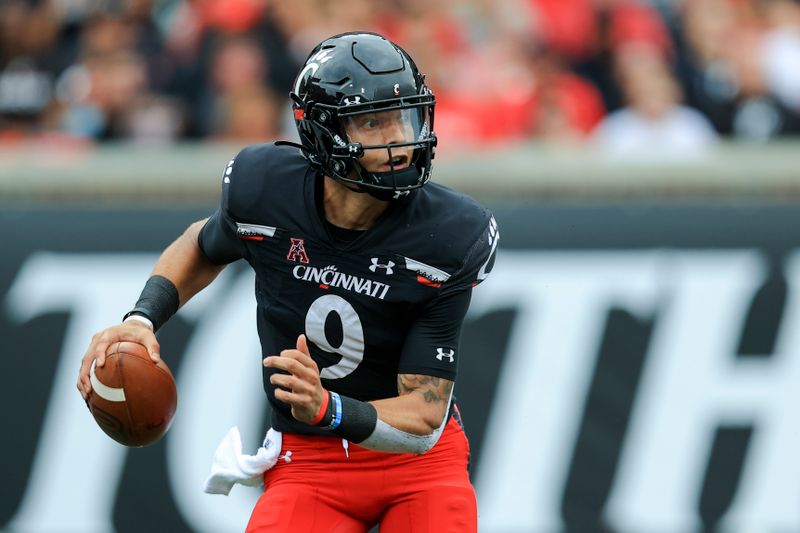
x=433, y=389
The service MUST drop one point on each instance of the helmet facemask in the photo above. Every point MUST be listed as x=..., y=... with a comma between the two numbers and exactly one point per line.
x=388, y=149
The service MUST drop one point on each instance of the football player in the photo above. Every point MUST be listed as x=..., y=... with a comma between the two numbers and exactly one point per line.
x=364, y=272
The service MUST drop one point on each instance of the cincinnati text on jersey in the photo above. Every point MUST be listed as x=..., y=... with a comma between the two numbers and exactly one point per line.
x=330, y=277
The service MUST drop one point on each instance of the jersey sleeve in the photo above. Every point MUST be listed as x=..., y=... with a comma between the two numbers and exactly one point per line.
x=478, y=262
x=218, y=238
x=432, y=344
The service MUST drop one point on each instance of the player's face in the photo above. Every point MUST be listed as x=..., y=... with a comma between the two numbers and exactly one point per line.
x=382, y=128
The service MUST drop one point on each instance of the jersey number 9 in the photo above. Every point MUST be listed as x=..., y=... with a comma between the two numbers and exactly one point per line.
x=352, y=347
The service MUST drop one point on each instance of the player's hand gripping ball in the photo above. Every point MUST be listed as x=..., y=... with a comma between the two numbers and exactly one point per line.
x=133, y=399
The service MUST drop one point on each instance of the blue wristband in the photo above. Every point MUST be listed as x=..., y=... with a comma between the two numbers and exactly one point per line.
x=351, y=419
x=337, y=411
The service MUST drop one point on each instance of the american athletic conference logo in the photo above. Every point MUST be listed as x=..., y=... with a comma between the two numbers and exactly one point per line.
x=297, y=251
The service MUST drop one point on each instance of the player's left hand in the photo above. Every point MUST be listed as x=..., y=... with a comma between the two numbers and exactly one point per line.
x=301, y=388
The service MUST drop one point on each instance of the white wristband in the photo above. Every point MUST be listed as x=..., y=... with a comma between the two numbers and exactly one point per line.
x=139, y=318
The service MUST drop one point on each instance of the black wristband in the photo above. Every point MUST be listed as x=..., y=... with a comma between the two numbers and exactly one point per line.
x=158, y=302
x=355, y=421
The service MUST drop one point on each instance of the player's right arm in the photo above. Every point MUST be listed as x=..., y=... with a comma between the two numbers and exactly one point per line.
x=185, y=266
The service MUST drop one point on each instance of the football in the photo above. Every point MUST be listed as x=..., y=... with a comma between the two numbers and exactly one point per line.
x=133, y=399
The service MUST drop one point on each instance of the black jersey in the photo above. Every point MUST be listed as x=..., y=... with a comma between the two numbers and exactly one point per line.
x=389, y=301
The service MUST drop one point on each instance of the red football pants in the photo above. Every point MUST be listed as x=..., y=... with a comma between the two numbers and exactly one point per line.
x=327, y=489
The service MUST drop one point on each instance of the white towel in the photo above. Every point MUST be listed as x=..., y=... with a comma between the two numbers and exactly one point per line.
x=230, y=466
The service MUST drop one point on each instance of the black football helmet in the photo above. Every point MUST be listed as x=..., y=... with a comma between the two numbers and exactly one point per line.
x=360, y=94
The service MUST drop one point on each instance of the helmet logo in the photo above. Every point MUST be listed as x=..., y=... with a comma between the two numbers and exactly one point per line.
x=356, y=100
x=313, y=63
x=396, y=89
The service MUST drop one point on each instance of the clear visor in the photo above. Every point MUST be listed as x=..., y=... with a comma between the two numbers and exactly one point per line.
x=377, y=129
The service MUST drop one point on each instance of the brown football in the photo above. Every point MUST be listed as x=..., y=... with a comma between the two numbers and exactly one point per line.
x=133, y=399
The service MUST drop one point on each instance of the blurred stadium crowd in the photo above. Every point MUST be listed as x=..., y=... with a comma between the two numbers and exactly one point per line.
x=674, y=75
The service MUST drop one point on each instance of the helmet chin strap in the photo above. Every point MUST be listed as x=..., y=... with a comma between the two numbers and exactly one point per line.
x=368, y=180
x=398, y=178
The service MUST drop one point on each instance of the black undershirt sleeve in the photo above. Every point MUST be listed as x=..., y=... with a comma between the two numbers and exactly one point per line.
x=432, y=344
